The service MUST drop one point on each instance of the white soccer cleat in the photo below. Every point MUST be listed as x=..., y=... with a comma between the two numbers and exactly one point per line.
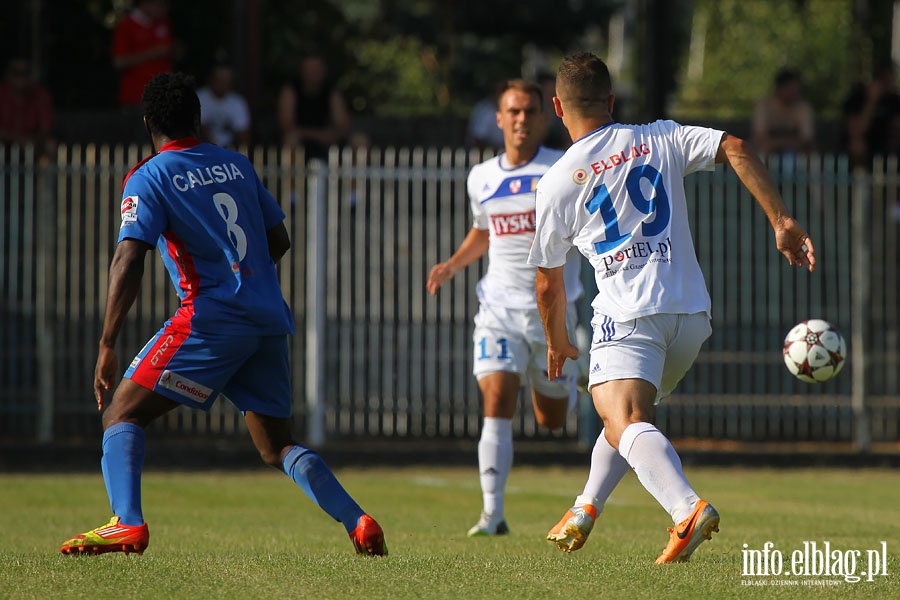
x=489, y=525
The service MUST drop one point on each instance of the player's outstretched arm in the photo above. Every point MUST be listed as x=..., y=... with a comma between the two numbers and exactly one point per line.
x=471, y=249
x=790, y=238
x=125, y=273
x=551, y=300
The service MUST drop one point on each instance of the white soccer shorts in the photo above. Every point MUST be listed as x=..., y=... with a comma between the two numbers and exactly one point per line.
x=512, y=340
x=656, y=348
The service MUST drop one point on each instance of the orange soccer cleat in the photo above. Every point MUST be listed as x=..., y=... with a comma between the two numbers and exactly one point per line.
x=573, y=529
x=690, y=533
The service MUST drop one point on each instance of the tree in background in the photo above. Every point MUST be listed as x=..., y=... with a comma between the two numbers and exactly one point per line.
x=433, y=58
x=737, y=46
x=691, y=59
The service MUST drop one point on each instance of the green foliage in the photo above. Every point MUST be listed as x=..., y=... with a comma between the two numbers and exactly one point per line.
x=292, y=29
x=398, y=77
x=255, y=535
x=747, y=42
x=430, y=58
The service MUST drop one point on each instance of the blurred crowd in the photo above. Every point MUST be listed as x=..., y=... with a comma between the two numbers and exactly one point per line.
x=312, y=114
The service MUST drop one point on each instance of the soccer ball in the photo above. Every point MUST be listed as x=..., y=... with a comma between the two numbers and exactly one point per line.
x=814, y=351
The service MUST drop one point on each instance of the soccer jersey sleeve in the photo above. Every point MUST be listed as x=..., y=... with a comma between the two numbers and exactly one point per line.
x=552, y=236
x=480, y=219
x=143, y=217
x=698, y=147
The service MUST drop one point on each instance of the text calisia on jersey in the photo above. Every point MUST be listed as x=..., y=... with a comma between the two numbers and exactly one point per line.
x=206, y=176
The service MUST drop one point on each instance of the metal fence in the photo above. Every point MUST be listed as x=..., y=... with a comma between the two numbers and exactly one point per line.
x=375, y=355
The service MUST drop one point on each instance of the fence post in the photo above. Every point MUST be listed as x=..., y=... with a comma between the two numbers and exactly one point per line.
x=861, y=280
x=45, y=298
x=315, y=302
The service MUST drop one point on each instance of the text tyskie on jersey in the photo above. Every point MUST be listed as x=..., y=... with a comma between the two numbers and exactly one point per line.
x=513, y=224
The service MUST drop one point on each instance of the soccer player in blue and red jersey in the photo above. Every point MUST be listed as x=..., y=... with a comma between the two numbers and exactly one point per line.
x=220, y=233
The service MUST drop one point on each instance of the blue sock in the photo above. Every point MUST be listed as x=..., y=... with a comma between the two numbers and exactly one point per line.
x=123, y=457
x=310, y=472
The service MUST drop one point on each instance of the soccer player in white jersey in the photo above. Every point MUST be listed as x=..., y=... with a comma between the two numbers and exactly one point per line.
x=618, y=196
x=509, y=340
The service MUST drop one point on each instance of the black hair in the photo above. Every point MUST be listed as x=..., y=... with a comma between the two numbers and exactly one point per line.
x=171, y=106
x=786, y=76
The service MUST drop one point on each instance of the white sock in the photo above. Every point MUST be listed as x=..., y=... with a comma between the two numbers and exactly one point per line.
x=607, y=469
x=658, y=468
x=495, y=457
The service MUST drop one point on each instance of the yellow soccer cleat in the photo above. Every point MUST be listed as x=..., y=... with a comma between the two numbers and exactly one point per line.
x=573, y=529
x=690, y=533
x=112, y=537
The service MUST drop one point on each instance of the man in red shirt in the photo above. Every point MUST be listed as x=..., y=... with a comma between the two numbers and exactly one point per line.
x=26, y=108
x=142, y=47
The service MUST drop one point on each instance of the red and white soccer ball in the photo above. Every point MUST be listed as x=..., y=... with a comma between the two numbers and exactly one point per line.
x=814, y=351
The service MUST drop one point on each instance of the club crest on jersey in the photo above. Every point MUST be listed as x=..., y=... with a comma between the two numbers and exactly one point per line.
x=129, y=209
x=515, y=186
x=579, y=177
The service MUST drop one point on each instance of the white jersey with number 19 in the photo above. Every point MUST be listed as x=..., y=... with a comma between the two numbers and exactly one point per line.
x=618, y=195
x=503, y=202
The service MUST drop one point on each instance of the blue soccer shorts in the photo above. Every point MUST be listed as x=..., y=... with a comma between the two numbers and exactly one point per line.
x=193, y=368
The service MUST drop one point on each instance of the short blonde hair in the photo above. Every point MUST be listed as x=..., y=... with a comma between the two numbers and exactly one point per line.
x=522, y=85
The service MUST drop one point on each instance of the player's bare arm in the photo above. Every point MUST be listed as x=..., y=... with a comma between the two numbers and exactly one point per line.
x=551, y=300
x=125, y=275
x=279, y=241
x=471, y=249
x=790, y=238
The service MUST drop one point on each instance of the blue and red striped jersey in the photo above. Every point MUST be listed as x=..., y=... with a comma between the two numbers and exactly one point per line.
x=206, y=210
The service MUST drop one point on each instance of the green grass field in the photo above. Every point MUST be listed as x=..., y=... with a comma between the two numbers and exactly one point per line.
x=255, y=535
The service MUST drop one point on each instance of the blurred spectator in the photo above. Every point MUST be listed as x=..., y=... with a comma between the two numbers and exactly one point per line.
x=26, y=109
x=142, y=47
x=311, y=113
x=783, y=122
x=856, y=115
x=870, y=119
x=557, y=136
x=883, y=132
x=483, y=131
x=224, y=115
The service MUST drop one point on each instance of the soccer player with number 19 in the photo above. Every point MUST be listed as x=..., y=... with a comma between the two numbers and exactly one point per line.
x=618, y=196
x=220, y=233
